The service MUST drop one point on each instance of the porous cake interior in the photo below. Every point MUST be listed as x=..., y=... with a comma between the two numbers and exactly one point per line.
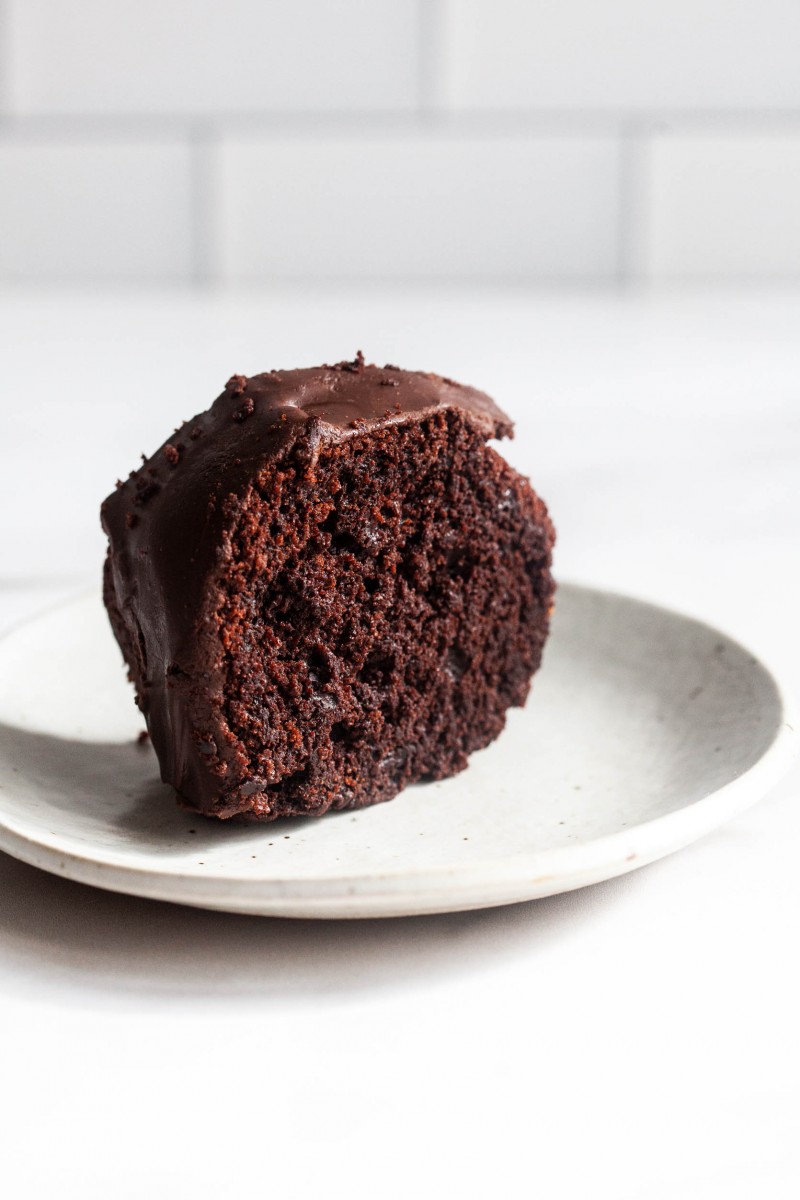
x=378, y=611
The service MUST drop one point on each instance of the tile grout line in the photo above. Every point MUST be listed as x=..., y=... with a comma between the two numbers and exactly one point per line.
x=430, y=56
x=625, y=203
x=201, y=201
x=632, y=217
x=5, y=59
x=464, y=124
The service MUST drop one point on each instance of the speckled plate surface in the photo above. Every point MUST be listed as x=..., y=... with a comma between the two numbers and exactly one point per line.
x=644, y=730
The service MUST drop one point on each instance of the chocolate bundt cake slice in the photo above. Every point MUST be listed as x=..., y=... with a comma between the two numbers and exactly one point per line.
x=327, y=587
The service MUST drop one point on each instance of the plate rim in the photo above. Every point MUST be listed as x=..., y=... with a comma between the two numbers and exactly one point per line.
x=511, y=878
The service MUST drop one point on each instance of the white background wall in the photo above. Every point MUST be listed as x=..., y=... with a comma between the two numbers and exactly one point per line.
x=258, y=140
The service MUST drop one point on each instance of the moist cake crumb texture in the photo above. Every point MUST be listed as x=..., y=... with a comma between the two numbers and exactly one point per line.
x=327, y=587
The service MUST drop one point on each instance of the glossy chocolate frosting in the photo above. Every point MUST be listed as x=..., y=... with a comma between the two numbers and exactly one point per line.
x=166, y=523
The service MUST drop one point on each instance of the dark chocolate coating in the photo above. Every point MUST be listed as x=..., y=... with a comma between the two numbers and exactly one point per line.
x=167, y=521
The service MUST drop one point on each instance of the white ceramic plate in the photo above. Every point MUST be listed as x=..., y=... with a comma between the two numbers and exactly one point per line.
x=645, y=729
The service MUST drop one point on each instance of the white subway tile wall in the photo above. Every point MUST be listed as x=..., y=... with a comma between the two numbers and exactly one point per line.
x=432, y=205
x=261, y=140
x=724, y=204
x=94, y=210
x=200, y=57
x=634, y=56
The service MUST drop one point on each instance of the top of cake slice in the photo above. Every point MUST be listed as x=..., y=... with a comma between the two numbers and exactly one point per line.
x=181, y=489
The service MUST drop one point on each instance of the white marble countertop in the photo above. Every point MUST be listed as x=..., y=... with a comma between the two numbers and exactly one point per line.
x=636, y=1040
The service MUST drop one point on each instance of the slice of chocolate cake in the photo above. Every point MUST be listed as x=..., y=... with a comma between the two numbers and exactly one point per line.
x=327, y=587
